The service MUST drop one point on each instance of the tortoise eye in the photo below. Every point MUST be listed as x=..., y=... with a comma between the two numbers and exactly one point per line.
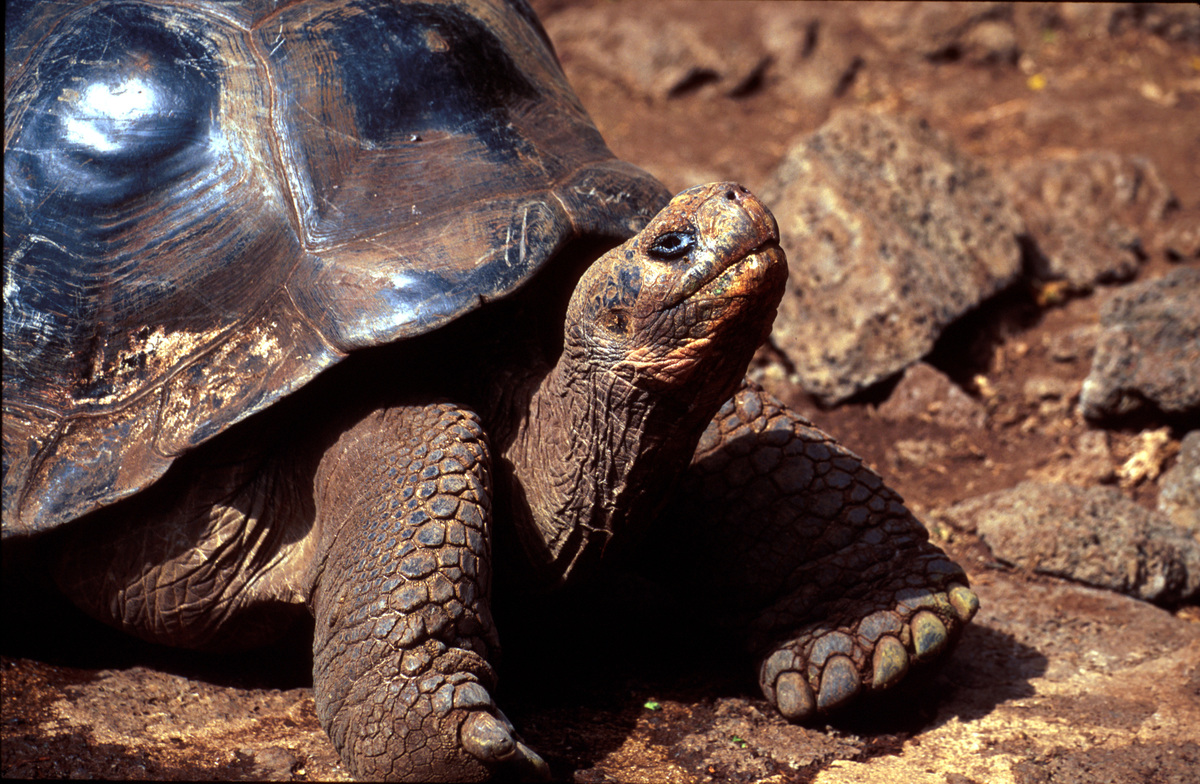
x=672, y=245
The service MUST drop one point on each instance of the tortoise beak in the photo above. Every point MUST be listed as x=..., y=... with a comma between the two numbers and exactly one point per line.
x=733, y=226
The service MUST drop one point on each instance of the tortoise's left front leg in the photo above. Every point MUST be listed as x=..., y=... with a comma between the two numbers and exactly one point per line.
x=404, y=639
x=778, y=524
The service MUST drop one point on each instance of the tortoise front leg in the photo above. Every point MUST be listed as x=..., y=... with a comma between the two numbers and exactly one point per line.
x=403, y=626
x=789, y=529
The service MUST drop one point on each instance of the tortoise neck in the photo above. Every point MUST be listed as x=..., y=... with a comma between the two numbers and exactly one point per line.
x=590, y=463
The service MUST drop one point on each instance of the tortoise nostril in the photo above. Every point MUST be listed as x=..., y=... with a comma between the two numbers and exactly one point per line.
x=731, y=195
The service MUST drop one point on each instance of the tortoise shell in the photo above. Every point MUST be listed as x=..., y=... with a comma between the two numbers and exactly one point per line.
x=209, y=203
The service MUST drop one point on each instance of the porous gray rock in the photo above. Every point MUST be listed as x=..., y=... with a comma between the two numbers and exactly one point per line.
x=1179, y=492
x=1148, y=351
x=892, y=234
x=1086, y=213
x=1095, y=536
x=925, y=393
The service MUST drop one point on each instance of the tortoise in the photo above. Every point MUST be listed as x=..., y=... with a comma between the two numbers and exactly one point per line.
x=344, y=308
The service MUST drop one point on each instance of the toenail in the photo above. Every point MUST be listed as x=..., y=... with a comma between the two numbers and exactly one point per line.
x=536, y=767
x=889, y=662
x=964, y=601
x=485, y=738
x=793, y=697
x=929, y=635
x=839, y=683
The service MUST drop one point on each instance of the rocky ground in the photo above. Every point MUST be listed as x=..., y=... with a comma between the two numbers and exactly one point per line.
x=993, y=217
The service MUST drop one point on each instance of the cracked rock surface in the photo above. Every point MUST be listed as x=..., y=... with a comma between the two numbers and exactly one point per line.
x=1094, y=536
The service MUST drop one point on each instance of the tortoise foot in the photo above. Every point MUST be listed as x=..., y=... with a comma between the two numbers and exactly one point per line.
x=431, y=728
x=404, y=630
x=492, y=740
x=866, y=645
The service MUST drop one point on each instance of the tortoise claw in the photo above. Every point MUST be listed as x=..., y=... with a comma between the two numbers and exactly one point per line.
x=964, y=601
x=531, y=765
x=839, y=683
x=490, y=739
x=929, y=635
x=889, y=662
x=487, y=739
x=793, y=697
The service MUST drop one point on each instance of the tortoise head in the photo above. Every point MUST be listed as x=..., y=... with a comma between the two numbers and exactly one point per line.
x=658, y=335
x=695, y=291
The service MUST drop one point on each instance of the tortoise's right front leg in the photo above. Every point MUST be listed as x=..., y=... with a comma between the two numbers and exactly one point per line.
x=403, y=627
x=788, y=536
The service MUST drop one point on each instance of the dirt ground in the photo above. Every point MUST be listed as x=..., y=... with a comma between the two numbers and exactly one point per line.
x=1054, y=682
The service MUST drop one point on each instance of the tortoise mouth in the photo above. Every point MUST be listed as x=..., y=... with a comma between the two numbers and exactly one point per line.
x=740, y=277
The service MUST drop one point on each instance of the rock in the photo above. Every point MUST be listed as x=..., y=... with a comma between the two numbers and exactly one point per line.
x=273, y=763
x=1148, y=351
x=1095, y=536
x=1085, y=214
x=1171, y=21
x=657, y=55
x=1039, y=388
x=822, y=67
x=891, y=234
x=1181, y=241
x=926, y=394
x=1179, y=492
x=918, y=452
x=978, y=32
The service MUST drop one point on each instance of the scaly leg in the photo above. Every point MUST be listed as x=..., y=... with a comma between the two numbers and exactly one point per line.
x=778, y=524
x=403, y=626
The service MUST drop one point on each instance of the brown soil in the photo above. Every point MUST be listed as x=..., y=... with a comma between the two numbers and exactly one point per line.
x=634, y=708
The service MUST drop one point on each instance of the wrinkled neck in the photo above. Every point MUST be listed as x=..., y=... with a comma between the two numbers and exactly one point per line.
x=591, y=463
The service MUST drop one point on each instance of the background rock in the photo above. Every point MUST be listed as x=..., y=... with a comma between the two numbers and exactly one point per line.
x=978, y=32
x=1086, y=214
x=659, y=57
x=923, y=392
x=893, y=234
x=1078, y=343
x=1179, y=496
x=1095, y=536
x=1148, y=351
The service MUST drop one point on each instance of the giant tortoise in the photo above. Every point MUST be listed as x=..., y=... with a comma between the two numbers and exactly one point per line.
x=344, y=308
